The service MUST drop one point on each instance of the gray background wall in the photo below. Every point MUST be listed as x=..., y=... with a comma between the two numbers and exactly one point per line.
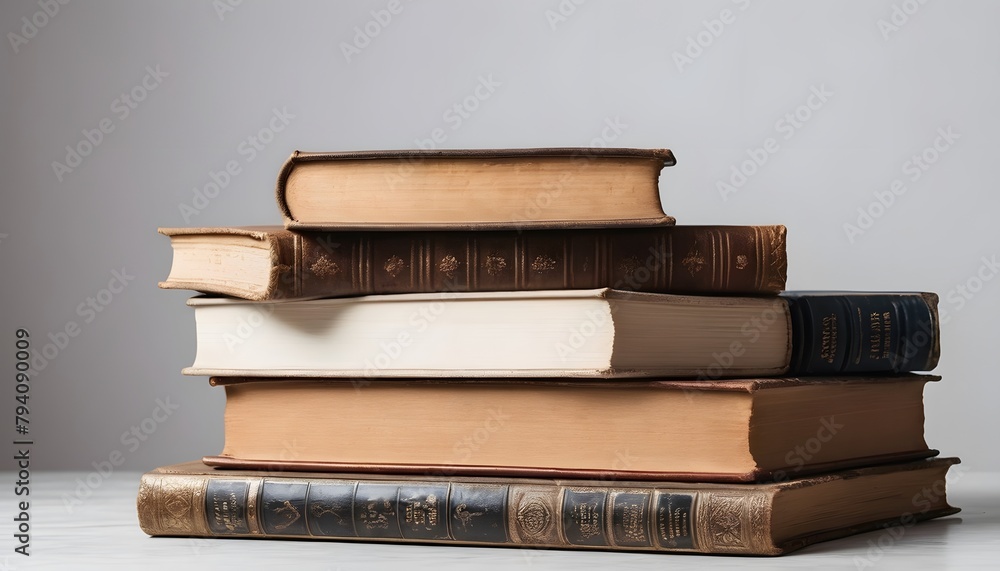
x=214, y=79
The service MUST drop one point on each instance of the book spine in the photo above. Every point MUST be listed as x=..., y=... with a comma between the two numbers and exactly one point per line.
x=685, y=259
x=515, y=514
x=863, y=333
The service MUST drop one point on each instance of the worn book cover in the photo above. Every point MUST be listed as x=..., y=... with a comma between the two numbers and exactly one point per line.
x=757, y=519
x=264, y=263
x=473, y=189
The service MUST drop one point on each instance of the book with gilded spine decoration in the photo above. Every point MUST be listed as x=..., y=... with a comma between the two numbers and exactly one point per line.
x=268, y=263
x=863, y=332
x=760, y=519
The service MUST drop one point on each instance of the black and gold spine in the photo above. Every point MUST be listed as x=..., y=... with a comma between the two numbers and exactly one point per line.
x=863, y=333
x=462, y=512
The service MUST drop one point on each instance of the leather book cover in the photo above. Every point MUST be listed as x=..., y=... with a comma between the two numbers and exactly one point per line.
x=863, y=332
x=730, y=260
x=690, y=388
x=193, y=500
x=400, y=164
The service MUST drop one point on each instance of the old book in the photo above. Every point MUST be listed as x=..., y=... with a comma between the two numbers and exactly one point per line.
x=270, y=263
x=756, y=519
x=739, y=430
x=856, y=332
x=568, y=333
x=551, y=333
x=473, y=189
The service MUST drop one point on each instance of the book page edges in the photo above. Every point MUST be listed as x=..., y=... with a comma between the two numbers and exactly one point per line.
x=666, y=156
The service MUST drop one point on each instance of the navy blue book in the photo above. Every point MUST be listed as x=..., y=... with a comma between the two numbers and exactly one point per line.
x=853, y=332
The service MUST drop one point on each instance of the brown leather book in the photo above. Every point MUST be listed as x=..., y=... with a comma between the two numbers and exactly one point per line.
x=473, y=189
x=713, y=431
x=269, y=263
x=744, y=519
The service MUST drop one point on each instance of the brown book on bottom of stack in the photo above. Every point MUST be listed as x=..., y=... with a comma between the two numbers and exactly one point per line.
x=749, y=519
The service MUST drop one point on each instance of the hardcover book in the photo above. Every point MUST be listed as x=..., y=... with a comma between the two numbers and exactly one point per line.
x=568, y=333
x=552, y=333
x=269, y=263
x=855, y=332
x=739, y=430
x=473, y=189
x=755, y=519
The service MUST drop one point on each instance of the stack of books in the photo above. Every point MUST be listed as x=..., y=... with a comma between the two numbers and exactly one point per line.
x=518, y=347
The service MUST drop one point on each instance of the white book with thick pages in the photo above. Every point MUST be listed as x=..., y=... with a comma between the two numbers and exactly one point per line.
x=598, y=333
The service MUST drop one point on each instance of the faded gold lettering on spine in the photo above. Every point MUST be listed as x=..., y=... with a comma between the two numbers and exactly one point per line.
x=674, y=523
x=422, y=513
x=224, y=512
x=875, y=337
x=828, y=338
x=634, y=522
x=886, y=334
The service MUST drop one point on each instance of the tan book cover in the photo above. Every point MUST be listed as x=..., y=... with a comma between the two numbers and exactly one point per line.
x=738, y=430
x=473, y=189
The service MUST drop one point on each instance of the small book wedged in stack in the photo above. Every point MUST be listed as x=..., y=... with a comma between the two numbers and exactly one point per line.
x=519, y=347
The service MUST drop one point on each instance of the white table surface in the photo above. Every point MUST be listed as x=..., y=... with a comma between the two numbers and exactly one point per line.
x=103, y=533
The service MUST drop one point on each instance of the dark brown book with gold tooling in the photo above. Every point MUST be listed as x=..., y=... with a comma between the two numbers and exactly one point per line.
x=269, y=263
x=749, y=519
